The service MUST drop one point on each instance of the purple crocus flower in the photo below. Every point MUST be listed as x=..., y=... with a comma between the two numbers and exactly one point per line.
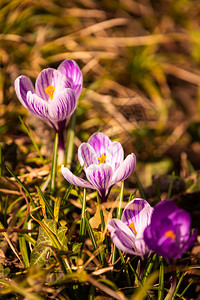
x=55, y=95
x=169, y=231
x=127, y=233
x=103, y=163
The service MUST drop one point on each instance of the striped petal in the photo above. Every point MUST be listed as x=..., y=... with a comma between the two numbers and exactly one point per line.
x=71, y=70
x=114, y=155
x=137, y=212
x=22, y=85
x=99, y=142
x=71, y=178
x=62, y=105
x=87, y=155
x=125, y=169
x=100, y=177
x=51, y=77
x=122, y=236
x=37, y=105
x=140, y=245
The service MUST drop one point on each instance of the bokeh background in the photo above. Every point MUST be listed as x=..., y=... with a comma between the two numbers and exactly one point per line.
x=140, y=62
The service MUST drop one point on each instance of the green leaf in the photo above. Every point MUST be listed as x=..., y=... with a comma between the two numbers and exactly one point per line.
x=76, y=248
x=50, y=236
x=41, y=253
x=61, y=235
x=51, y=224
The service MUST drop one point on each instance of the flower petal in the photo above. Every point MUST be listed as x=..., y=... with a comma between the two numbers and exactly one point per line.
x=22, y=85
x=51, y=77
x=37, y=106
x=100, y=177
x=71, y=70
x=122, y=236
x=87, y=155
x=62, y=105
x=137, y=211
x=100, y=142
x=71, y=178
x=162, y=210
x=114, y=155
x=125, y=169
x=182, y=219
x=190, y=241
x=140, y=245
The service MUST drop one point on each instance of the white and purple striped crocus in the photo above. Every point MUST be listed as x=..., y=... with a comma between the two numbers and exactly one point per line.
x=169, y=234
x=55, y=95
x=127, y=233
x=103, y=163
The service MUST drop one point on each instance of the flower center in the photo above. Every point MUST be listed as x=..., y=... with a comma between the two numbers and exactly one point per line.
x=132, y=226
x=102, y=159
x=170, y=234
x=50, y=91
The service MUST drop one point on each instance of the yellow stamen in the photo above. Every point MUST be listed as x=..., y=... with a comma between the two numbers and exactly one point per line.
x=132, y=226
x=50, y=91
x=170, y=234
x=102, y=159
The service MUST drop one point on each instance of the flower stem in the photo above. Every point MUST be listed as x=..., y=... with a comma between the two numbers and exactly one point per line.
x=173, y=289
x=119, y=214
x=70, y=141
x=61, y=148
x=161, y=279
x=52, y=185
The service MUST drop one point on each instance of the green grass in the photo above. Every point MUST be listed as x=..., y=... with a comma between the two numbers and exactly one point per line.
x=140, y=63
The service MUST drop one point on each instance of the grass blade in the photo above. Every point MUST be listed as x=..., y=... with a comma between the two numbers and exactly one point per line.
x=1, y=163
x=42, y=198
x=149, y=267
x=23, y=250
x=25, y=127
x=142, y=193
x=125, y=268
x=83, y=218
x=91, y=234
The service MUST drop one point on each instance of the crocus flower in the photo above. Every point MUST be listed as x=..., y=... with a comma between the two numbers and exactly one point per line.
x=103, y=163
x=55, y=95
x=127, y=233
x=168, y=234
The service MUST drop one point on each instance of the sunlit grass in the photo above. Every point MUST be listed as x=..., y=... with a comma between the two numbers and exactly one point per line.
x=140, y=64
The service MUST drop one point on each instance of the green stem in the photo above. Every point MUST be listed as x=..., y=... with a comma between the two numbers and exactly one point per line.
x=119, y=213
x=101, y=212
x=52, y=186
x=161, y=280
x=70, y=141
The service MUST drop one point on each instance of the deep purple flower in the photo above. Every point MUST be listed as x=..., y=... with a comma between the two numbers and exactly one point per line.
x=169, y=231
x=127, y=233
x=103, y=163
x=55, y=95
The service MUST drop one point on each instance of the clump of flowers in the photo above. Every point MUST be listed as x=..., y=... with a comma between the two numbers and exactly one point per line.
x=103, y=163
x=169, y=234
x=55, y=95
x=127, y=233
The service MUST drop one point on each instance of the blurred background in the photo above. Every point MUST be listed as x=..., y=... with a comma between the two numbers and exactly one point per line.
x=140, y=63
